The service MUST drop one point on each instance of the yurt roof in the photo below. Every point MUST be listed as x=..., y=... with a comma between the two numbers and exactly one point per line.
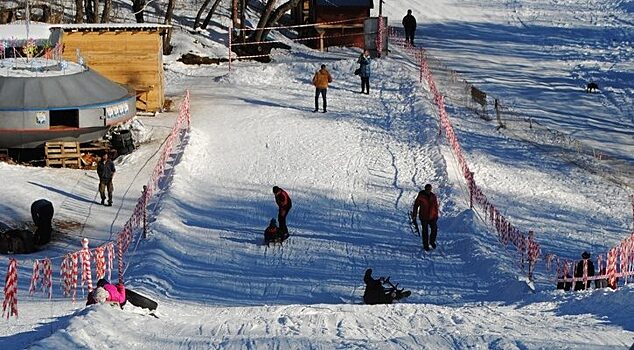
x=62, y=88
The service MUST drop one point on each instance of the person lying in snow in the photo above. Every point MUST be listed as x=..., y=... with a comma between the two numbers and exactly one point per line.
x=375, y=293
x=107, y=292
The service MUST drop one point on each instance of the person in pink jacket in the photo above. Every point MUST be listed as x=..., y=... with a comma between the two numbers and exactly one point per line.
x=107, y=292
x=116, y=293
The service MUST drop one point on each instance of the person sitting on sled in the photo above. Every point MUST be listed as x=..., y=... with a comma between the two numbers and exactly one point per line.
x=375, y=293
x=273, y=233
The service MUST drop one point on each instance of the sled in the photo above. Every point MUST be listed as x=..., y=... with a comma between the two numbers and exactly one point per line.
x=276, y=240
x=413, y=225
x=139, y=300
x=400, y=293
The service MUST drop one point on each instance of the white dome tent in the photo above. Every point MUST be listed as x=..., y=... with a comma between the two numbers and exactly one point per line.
x=46, y=99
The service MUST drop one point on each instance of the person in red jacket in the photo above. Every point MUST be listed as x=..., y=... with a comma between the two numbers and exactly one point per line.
x=426, y=207
x=284, y=204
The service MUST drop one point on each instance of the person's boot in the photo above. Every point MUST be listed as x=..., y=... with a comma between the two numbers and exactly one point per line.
x=103, y=200
x=110, y=202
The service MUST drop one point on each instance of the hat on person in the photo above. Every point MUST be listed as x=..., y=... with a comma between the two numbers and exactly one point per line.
x=273, y=222
x=101, y=295
x=102, y=282
x=368, y=272
x=585, y=255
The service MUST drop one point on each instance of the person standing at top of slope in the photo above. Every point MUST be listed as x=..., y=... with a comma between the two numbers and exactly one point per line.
x=320, y=80
x=426, y=206
x=105, y=170
x=409, y=24
x=364, y=71
x=284, y=205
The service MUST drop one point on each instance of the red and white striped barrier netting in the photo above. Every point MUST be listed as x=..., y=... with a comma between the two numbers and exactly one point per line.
x=103, y=255
x=620, y=259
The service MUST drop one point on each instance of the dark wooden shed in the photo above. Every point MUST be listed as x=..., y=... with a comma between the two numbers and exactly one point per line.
x=343, y=21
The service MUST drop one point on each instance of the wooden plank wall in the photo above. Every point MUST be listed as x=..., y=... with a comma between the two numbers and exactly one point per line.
x=128, y=57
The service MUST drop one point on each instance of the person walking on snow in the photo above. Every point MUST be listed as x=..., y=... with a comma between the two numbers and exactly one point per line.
x=320, y=80
x=364, y=71
x=284, y=204
x=409, y=24
x=105, y=170
x=426, y=207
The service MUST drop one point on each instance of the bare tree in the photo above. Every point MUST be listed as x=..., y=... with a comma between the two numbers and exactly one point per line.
x=138, y=6
x=234, y=12
x=211, y=12
x=79, y=11
x=107, y=7
x=167, y=46
x=264, y=19
x=200, y=13
x=88, y=11
x=95, y=11
x=272, y=18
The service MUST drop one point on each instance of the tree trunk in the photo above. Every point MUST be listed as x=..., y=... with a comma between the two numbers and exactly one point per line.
x=200, y=13
x=211, y=12
x=234, y=13
x=274, y=17
x=95, y=11
x=79, y=11
x=88, y=11
x=107, y=6
x=264, y=19
x=137, y=7
x=167, y=45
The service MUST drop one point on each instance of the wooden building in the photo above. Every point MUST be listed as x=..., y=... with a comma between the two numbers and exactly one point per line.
x=343, y=21
x=127, y=53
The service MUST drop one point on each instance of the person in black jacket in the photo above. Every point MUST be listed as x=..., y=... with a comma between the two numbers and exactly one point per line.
x=409, y=24
x=585, y=259
x=364, y=71
x=375, y=293
x=105, y=170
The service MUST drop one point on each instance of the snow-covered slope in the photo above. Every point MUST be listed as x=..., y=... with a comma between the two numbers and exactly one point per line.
x=353, y=173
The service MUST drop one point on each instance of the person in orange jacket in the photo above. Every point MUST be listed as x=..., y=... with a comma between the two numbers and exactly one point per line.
x=426, y=207
x=284, y=204
x=320, y=80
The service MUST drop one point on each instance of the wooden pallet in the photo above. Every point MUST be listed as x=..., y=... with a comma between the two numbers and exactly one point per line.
x=64, y=153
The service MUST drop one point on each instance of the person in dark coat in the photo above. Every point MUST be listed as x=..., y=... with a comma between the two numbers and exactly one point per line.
x=42, y=214
x=364, y=71
x=426, y=206
x=409, y=24
x=375, y=293
x=284, y=205
x=105, y=170
x=585, y=259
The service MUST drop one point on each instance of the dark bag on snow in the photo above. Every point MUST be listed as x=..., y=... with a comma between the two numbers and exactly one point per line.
x=357, y=71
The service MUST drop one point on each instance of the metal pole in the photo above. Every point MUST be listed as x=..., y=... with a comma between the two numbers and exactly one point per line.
x=230, y=31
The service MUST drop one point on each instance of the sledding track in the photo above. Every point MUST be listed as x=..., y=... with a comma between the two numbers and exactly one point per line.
x=352, y=173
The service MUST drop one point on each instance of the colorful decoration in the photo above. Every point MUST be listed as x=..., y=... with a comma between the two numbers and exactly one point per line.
x=30, y=48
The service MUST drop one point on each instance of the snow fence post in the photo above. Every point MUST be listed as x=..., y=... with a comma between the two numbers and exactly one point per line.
x=86, y=271
x=144, y=211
